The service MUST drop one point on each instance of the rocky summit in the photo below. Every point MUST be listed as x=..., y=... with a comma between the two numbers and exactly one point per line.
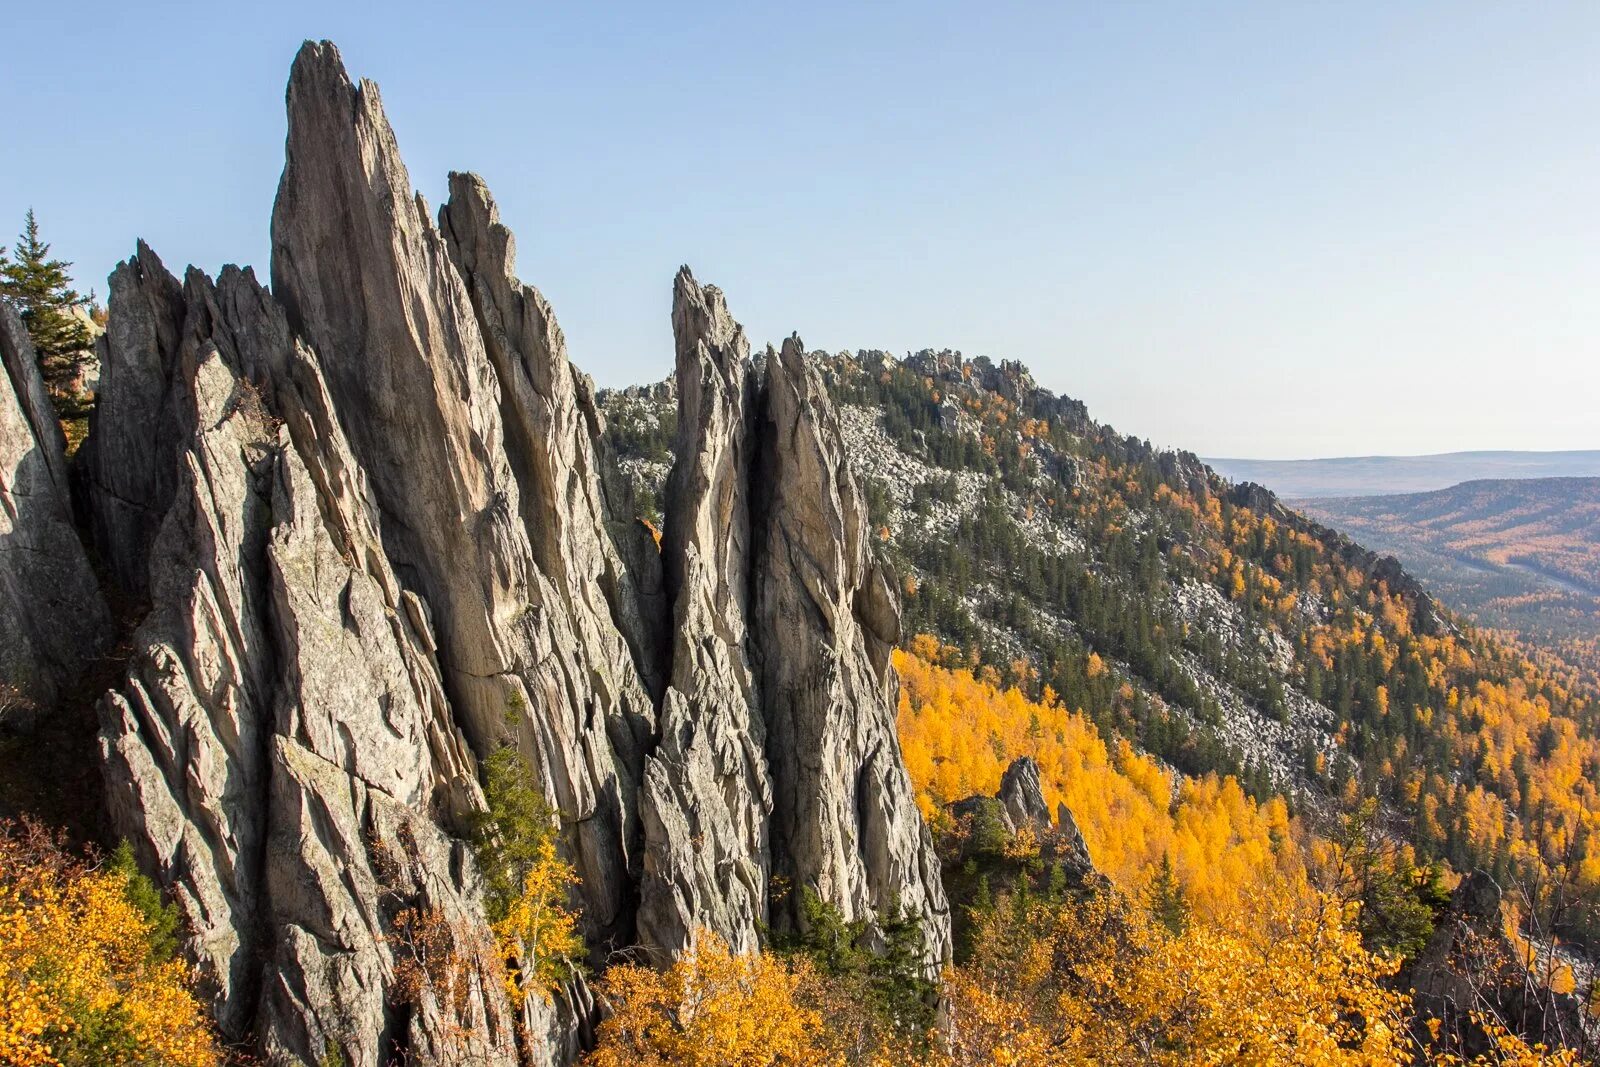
x=362, y=530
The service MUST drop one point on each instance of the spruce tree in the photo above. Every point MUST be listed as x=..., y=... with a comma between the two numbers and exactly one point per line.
x=40, y=290
x=1167, y=903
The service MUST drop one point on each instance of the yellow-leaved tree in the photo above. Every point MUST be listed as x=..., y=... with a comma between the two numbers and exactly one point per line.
x=87, y=974
x=527, y=885
x=539, y=929
x=959, y=732
x=712, y=1008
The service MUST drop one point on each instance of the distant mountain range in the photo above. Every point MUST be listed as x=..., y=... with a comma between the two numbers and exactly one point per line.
x=1383, y=475
x=1519, y=554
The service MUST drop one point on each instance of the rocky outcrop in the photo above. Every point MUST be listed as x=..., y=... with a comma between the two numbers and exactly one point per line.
x=824, y=619
x=37, y=434
x=1483, y=961
x=366, y=530
x=197, y=702
x=129, y=463
x=52, y=619
x=987, y=825
x=1022, y=794
x=553, y=433
x=282, y=753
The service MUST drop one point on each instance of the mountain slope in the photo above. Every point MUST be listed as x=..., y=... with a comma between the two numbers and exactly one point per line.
x=369, y=538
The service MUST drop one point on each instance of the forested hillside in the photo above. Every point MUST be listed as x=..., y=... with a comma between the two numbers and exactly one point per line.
x=1147, y=618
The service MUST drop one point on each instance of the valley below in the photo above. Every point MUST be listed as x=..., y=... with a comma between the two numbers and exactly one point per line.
x=1520, y=555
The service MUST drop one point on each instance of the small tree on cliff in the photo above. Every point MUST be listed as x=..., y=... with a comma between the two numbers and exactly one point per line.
x=40, y=289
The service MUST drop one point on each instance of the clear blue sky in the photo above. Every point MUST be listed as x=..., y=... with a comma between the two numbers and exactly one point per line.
x=1271, y=230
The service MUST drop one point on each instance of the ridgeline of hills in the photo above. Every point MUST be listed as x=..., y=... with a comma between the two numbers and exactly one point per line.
x=1296, y=479
x=436, y=691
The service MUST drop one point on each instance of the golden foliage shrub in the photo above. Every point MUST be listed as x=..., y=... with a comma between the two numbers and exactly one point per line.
x=1098, y=981
x=712, y=1008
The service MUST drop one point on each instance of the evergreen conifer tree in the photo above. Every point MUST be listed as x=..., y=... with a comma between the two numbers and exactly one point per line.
x=40, y=290
x=1166, y=899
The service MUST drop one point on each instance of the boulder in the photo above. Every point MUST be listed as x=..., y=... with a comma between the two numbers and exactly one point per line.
x=1022, y=793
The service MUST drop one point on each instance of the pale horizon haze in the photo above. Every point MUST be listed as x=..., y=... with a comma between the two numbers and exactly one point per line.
x=1255, y=230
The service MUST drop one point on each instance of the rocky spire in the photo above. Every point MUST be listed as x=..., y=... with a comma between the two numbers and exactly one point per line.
x=1022, y=794
x=530, y=656
x=129, y=462
x=824, y=618
x=707, y=793
x=553, y=432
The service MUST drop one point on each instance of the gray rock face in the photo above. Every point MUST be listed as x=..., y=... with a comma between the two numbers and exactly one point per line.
x=1069, y=839
x=553, y=432
x=282, y=751
x=706, y=789
x=825, y=619
x=1019, y=805
x=197, y=700
x=374, y=532
x=52, y=620
x=529, y=656
x=129, y=462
